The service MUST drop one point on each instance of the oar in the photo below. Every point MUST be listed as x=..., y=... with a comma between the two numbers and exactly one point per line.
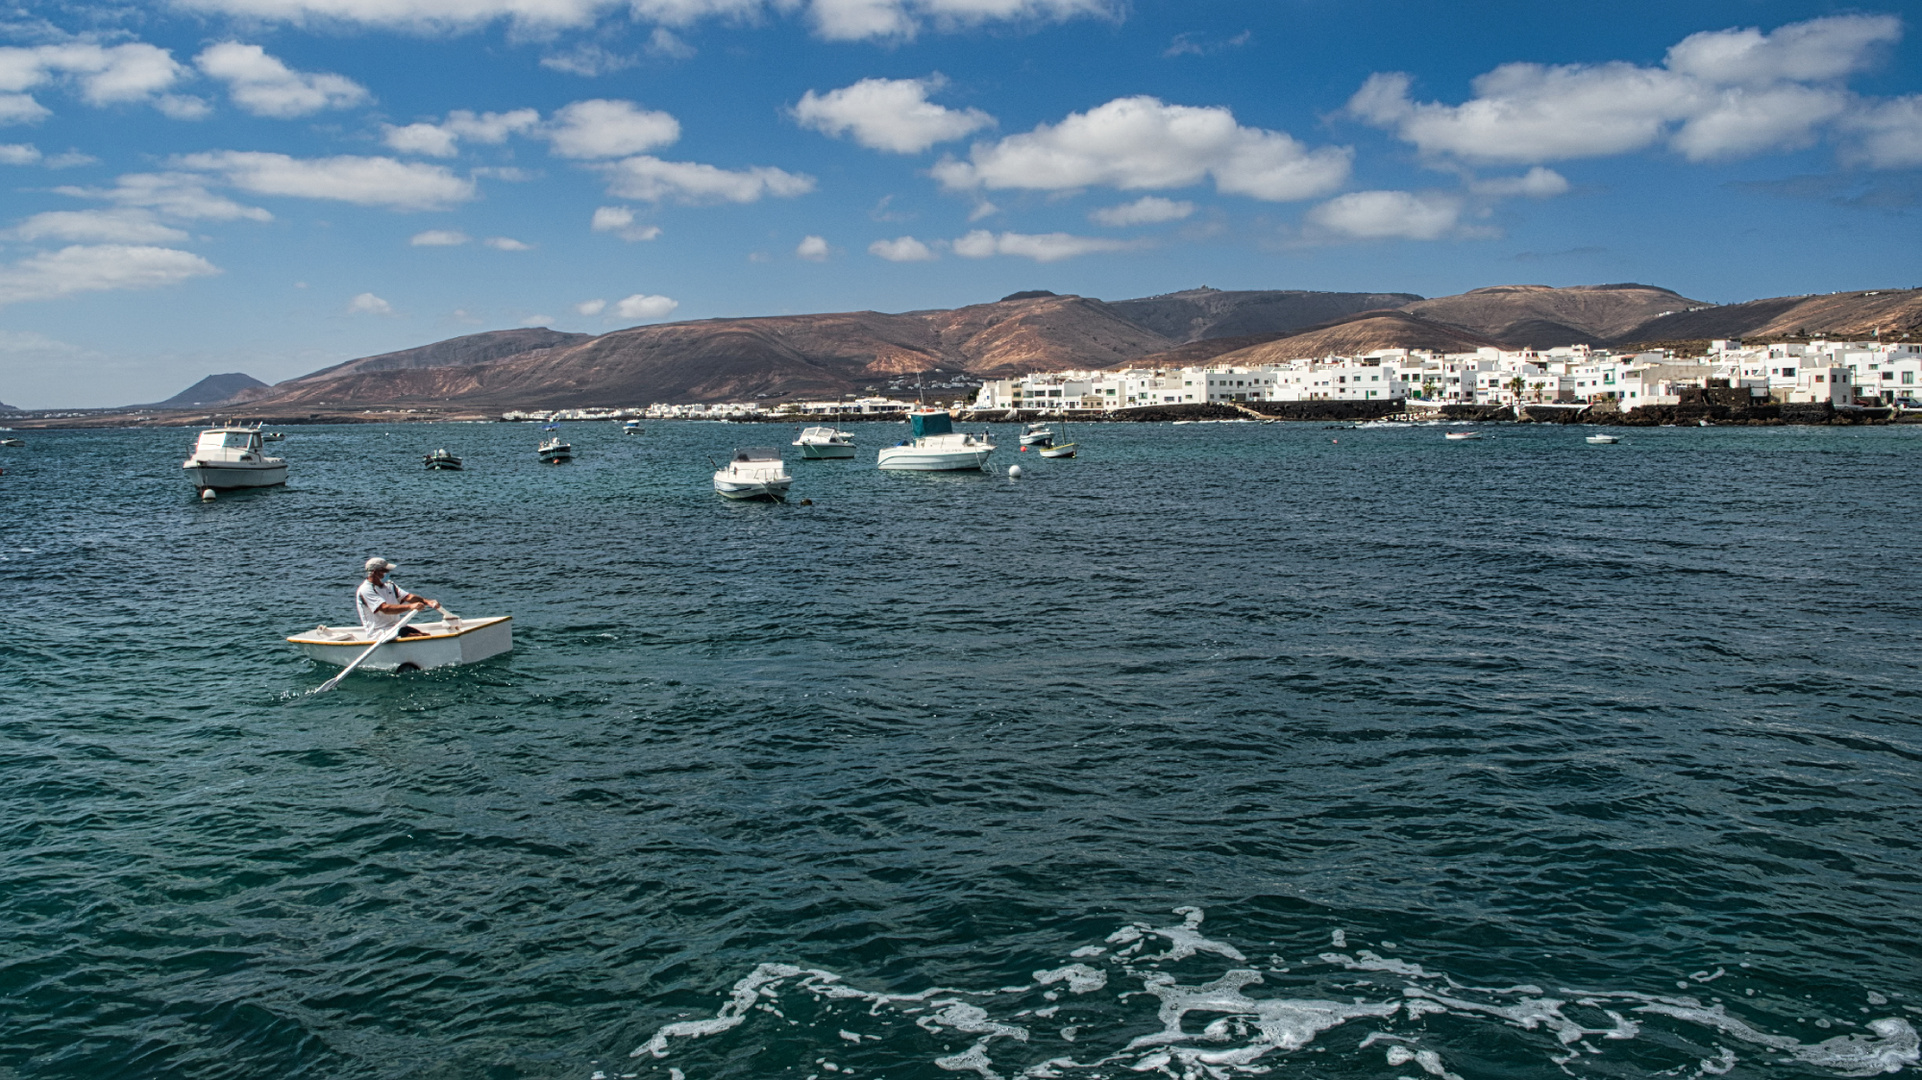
x=383, y=639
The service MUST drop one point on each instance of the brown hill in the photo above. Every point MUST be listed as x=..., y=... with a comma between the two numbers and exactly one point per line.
x=1196, y=314
x=1197, y=353
x=1544, y=317
x=1893, y=313
x=1361, y=333
x=735, y=359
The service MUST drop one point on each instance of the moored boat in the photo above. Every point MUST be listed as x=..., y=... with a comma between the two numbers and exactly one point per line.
x=10, y=441
x=632, y=427
x=754, y=473
x=227, y=458
x=825, y=443
x=935, y=446
x=441, y=644
x=1037, y=435
x=1061, y=451
x=1603, y=440
x=443, y=460
x=556, y=450
x=1462, y=436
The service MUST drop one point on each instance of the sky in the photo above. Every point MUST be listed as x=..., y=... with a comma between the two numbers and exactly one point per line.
x=273, y=186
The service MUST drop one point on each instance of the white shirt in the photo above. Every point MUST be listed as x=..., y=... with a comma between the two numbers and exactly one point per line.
x=367, y=601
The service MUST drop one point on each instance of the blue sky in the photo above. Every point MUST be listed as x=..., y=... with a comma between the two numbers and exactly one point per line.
x=271, y=186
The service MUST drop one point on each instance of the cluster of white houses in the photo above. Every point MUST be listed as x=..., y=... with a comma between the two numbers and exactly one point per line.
x=1837, y=372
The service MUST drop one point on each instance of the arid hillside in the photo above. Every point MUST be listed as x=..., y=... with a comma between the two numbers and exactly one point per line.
x=1544, y=317
x=1361, y=333
x=1199, y=314
x=734, y=359
x=1891, y=313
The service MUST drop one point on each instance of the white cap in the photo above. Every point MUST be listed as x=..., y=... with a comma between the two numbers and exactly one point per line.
x=378, y=563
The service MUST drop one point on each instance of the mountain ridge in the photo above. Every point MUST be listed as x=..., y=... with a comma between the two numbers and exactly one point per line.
x=841, y=353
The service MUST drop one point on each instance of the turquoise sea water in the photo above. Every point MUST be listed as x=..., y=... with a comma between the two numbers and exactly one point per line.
x=1222, y=750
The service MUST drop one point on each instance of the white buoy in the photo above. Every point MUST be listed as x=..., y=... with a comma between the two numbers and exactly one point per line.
x=1014, y=472
x=206, y=494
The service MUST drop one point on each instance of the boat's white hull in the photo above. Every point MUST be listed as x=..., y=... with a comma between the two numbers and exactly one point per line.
x=752, y=489
x=476, y=640
x=918, y=459
x=229, y=477
x=825, y=451
x=1602, y=440
x=1064, y=450
x=1036, y=440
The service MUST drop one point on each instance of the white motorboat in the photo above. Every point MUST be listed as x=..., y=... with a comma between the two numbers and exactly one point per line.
x=754, y=473
x=556, y=450
x=442, y=460
x=632, y=427
x=225, y=458
x=11, y=441
x=441, y=644
x=1037, y=435
x=823, y=443
x=1603, y=440
x=936, y=447
x=1463, y=436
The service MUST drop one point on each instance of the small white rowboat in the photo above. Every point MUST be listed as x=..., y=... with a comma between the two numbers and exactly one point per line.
x=447, y=643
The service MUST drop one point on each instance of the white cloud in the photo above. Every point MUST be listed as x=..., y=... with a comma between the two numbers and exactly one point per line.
x=429, y=139
x=1147, y=210
x=1718, y=94
x=178, y=195
x=1045, y=247
x=619, y=220
x=98, y=268
x=364, y=181
x=507, y=243
x=104, y=75
x=663, y=44
x=901, y=249
x=1889, y=135
x=439, y=238
x=416, y=15
x=641, y=306
x=853, y=20
x=1536, y=183
x=264, y=86
x=537, y=320
x=125, y=226
x=1139, y=142
x=591, y=307
x=588, y=60
x=1384, y=215
x=841, y=20
x=369, y=304
x=652, y=180
x=70, y=159
x=19, y=154
x=888, y=114
x=442, y=140
x=604, y=129
x=22, y=109
x=812, y=248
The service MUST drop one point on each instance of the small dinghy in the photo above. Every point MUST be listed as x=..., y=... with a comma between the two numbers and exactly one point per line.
x=1603, y=440
x=442, y=460
x=1064, y=450
x=1463, y=436
x=556, y=450
x=442, y=644
x=10, y=441
x=632, y=427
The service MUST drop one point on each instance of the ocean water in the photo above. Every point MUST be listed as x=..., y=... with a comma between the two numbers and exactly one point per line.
x=1222, y=750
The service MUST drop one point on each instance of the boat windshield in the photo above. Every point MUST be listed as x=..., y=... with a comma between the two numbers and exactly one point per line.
x=757, y=453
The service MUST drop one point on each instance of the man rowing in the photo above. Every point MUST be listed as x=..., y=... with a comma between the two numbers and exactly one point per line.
x=381, y=603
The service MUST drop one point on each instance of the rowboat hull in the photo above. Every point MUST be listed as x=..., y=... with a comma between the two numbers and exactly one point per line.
x=1064, y=450
x=476, y=640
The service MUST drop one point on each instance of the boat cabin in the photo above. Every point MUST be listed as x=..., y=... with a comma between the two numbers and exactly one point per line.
x=931, y=423
x=228, y=444
x=756, y=454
